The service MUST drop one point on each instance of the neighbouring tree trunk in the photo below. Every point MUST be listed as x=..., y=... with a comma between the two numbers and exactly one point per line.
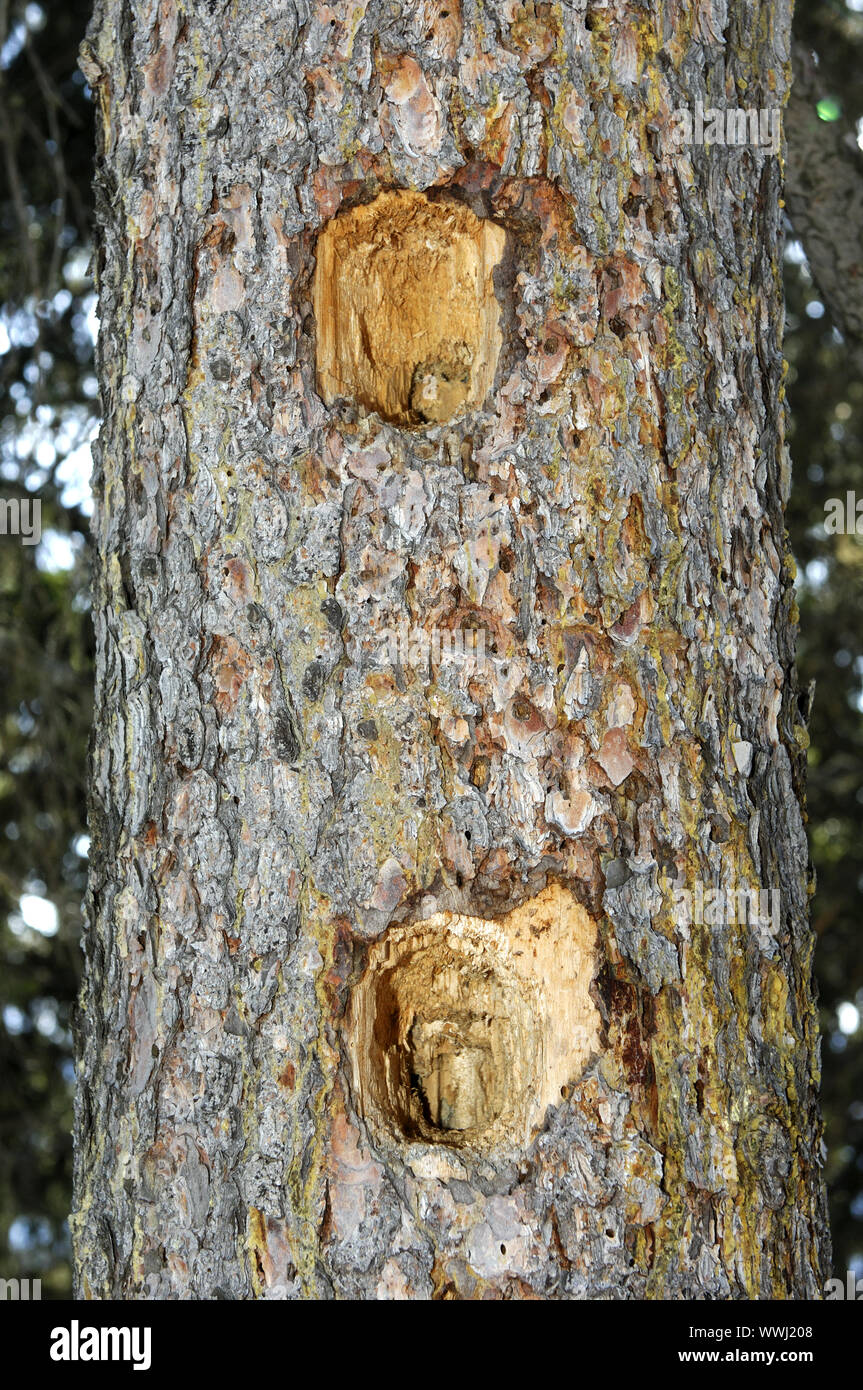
x=825, y=199
x=445, y=662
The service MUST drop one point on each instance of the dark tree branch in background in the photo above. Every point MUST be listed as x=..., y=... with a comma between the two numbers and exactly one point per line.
x=16, y=190
x=824, y=192
x=52, y=101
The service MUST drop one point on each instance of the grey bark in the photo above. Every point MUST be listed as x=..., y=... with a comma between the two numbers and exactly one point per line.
x=825, y=201
x=270, y=795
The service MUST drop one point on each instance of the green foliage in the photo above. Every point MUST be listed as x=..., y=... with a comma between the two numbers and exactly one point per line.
x=46, y=390
x=825, y=393
x=826, y=442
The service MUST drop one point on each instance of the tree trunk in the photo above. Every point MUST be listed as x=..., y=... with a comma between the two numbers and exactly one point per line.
x=446, y=663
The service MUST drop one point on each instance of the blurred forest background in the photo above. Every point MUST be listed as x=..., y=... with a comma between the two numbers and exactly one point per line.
x=48, y=414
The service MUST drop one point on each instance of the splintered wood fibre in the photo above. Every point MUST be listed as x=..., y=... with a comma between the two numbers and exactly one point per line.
x=464, y=1030
x=407, y=319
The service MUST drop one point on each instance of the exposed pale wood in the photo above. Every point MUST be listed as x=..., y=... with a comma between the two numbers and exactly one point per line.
x=280, y=805
x=407, y=319
x=465, y=1030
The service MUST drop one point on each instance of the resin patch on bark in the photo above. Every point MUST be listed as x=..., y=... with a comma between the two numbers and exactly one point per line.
x=407, y=319
x=463, y=1030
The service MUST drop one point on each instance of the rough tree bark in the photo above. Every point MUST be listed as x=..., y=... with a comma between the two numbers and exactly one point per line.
x=388, y=990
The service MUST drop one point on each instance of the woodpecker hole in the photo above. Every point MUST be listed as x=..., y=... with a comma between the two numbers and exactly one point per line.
x=407, y=318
